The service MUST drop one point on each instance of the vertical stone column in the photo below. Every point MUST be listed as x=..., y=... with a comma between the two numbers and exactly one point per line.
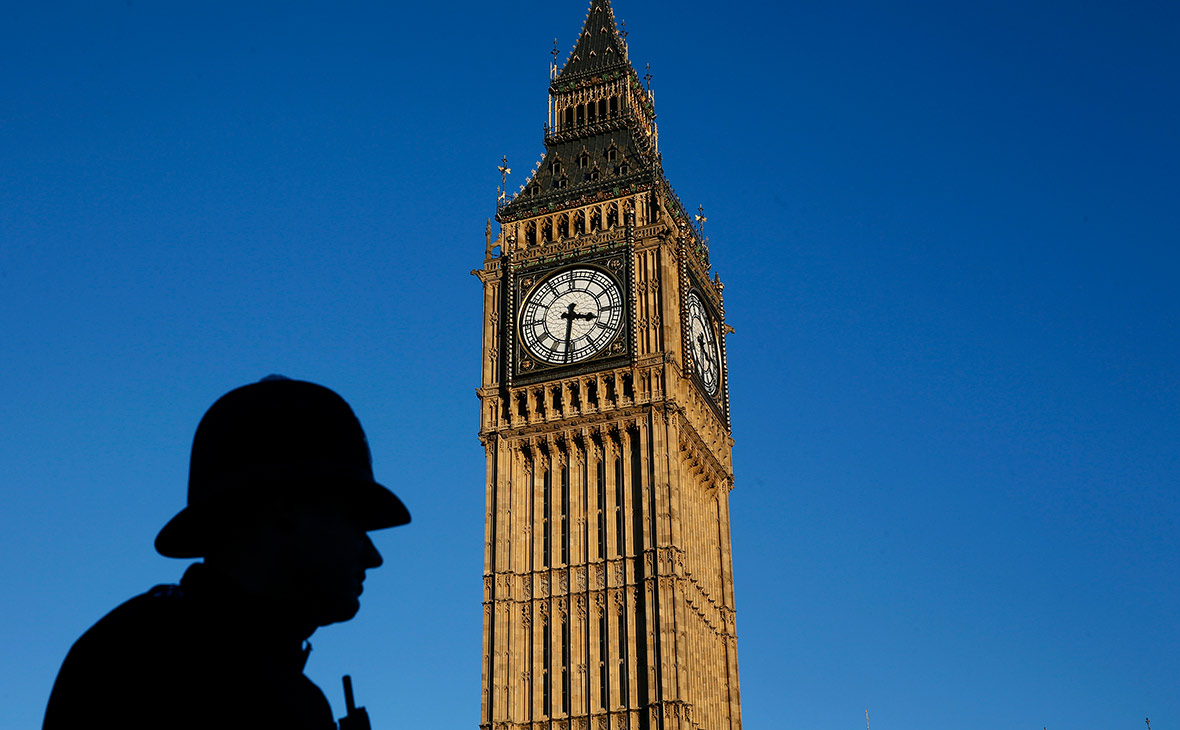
x=648, y=555
x=489, y=594
x=728, y=613
x=632, y=597
x=676, y=659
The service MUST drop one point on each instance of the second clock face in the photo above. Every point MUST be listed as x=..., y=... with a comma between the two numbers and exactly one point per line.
x=704, y=345
x=571, y=315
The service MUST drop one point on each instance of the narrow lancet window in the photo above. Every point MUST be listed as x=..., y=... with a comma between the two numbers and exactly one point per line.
x=565, y=510
x=546, y=488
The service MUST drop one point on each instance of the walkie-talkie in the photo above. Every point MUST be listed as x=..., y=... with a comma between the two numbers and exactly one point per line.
x=357, y=718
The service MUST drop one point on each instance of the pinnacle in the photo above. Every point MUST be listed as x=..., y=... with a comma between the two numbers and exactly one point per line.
x=599, y=45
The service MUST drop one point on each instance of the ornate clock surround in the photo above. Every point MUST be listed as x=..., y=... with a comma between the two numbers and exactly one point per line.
x=711, y=301
x=617, y=264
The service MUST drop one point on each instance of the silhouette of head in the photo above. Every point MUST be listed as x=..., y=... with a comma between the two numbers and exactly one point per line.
x=303, y=560
x=281, y=495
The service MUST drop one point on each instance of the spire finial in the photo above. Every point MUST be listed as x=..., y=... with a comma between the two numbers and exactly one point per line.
x=700, y=216
x=647, y=77
x=502, y=191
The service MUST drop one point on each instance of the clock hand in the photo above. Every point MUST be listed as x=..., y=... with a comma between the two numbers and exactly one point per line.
x=704, y=351
x=569, y=316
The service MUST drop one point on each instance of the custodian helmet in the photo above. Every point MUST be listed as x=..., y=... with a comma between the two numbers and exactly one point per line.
x=273, y=442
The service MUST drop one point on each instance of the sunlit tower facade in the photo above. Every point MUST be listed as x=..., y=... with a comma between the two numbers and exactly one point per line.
x=608, y=581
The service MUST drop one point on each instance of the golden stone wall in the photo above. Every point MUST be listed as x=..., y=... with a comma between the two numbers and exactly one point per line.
x=608, y=585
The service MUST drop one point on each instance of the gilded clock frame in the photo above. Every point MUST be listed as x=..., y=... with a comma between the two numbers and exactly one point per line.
x=710, y=302
x=525, y=368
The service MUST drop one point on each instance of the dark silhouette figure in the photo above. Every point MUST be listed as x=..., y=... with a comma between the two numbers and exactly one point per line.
x=280, y=498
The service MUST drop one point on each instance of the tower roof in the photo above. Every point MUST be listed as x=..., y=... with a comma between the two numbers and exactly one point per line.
x=601, y=141
x=599, y=45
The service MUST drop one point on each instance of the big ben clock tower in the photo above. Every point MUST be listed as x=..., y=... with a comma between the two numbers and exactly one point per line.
x=608, y=582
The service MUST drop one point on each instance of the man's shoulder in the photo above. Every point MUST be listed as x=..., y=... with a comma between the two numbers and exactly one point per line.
x=143, y=621
x=123, y=657
x=175, y=657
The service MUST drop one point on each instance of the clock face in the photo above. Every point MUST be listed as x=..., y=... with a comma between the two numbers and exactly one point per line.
x=705, y=356
x=571, y=315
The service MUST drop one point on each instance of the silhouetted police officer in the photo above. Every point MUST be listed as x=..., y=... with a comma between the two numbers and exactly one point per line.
x=280, y=497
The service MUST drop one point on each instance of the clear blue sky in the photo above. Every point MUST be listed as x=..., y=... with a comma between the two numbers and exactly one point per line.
x=949, y=237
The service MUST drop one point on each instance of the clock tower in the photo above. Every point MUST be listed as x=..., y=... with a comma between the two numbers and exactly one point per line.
x=604, y=412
